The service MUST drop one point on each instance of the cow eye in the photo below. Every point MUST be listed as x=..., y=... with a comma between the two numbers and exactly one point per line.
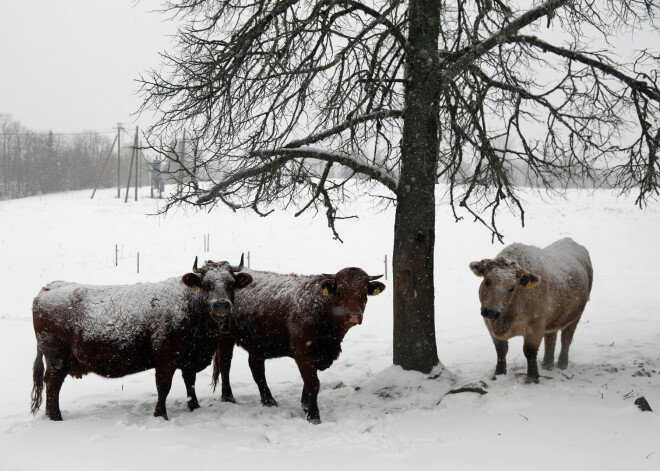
x=511, y=289
x=487, y=282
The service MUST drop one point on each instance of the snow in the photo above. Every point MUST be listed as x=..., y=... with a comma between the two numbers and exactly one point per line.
x=556, y=262
x=375, y=416
x=118, y=313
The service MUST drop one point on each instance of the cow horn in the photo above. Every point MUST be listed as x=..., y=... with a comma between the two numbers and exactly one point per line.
x=372, y=278
x=195, y=269
x=240, y=265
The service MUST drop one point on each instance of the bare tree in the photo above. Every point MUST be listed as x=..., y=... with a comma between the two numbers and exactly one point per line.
x=404, y=95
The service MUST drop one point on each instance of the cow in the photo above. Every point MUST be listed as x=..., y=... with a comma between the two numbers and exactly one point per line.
x=115, y=331
x=302, y=317
x=535, y=293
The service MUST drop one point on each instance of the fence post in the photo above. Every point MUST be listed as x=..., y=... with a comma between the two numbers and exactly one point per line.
x=386, y=266
x=248, y=259
x=116, y=256
x=138, y=262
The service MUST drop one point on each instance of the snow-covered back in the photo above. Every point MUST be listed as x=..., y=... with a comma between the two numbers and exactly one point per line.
x=375, y=416
x=116, y=314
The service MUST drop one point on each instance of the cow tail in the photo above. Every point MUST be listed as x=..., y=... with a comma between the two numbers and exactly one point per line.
x=216, y=371
x=38, y=379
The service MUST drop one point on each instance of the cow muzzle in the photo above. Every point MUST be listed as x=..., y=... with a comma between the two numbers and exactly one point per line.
x=353, y=319
x=221, y=309
x=490, y=313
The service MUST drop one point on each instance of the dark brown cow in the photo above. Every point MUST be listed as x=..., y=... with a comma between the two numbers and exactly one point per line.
x=115, y=331
x=535, y=293
x=302, y=317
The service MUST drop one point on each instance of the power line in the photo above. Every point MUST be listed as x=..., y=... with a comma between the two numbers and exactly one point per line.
x=40, y=133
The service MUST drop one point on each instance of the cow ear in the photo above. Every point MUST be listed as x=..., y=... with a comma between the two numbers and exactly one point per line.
x=328, y=285
x=528, y=280
x=191, y=280
x=242, y=280
x=374, y=288
x=479, y=268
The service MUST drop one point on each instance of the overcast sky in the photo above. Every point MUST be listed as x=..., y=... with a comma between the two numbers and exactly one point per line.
x=71, y=65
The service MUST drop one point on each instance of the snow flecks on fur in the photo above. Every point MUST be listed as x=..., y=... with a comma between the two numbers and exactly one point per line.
x=558, y=263
x=116, y=314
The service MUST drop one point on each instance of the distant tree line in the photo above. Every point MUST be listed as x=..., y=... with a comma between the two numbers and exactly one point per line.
x=33, y=163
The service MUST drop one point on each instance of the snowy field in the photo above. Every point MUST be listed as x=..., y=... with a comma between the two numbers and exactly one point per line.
x=375, y=416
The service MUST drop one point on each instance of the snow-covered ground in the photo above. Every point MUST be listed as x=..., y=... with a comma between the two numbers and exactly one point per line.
x=375, y=416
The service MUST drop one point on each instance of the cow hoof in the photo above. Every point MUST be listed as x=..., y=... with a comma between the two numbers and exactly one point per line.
x=314, y=420
x=548, y=366
x=562, y=365
x=162, y=414
x=55, y=417
x=498, y=373
x=531, y=380
x=228, y=399
x=269, y=402
x=192, y=405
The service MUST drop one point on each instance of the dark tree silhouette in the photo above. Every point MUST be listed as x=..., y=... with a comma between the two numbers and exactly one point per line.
x=401, y=95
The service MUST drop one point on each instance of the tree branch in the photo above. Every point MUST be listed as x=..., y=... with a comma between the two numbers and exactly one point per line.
x=349, y=123
x=454, y=64
x=283, y=156
x=639, y=85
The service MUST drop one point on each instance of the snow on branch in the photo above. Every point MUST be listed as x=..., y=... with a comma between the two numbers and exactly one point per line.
x=456, y=63
x=349, y=123
x=283, y=156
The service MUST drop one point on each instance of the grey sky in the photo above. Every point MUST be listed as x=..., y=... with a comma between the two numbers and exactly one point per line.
x=71, y=65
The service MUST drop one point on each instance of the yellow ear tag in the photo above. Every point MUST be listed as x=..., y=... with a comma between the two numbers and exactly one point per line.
x=376, y=292
x=194, y=287
x=530, y=284
x=325, y=291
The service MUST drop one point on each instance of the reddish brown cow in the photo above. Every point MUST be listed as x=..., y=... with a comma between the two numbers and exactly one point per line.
x=115, y=331
x=302, y=317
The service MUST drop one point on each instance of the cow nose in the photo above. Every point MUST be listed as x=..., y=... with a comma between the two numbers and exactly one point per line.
x=490, y=313
x=222, y=306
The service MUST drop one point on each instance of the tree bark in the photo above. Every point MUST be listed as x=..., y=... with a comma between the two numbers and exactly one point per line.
x=414, y=227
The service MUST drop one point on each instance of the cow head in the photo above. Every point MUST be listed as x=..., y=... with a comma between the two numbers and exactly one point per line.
x=217, y=282
x=347, y=292
x=503, y=281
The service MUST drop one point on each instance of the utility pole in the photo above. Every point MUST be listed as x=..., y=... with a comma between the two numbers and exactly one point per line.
x=134, y=156
x=137, y=159
x=104, y=165
x=119, y=129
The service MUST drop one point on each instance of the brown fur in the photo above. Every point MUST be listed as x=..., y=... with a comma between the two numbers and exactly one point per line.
x=534, y=293
x=288, y=315
x=88, y=329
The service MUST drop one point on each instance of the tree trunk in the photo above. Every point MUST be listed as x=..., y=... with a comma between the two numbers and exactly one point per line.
x=414, y=227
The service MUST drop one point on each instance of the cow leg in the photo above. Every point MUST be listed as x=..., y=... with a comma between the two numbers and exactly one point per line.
x=56, y=371
x=304, y=399
x=502, y=348
x=312, y=385
x=225, y=354
x=550, y=340
x=530, y=350
x=566, y=339
x=189, y=378
x=257, y=366
x=164, y=374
